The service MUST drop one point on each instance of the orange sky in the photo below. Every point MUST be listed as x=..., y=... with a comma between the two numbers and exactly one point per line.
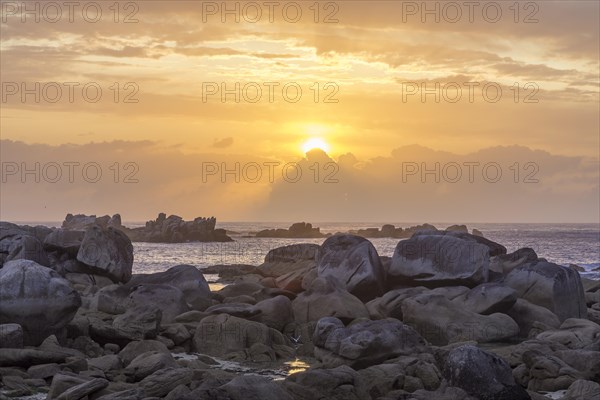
x=366, y=61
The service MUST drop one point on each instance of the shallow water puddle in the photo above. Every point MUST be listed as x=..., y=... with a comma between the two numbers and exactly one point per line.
x=277, y=372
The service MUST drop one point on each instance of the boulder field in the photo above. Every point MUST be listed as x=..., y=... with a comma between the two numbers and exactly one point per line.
x=450, y=316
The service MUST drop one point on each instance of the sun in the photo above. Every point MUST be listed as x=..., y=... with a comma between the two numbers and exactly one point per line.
x=315, y=143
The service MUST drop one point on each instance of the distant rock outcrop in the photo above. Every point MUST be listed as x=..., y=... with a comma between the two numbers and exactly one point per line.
x=80, y=222
x=299, y=230
x=173, y=229
x=390, y=231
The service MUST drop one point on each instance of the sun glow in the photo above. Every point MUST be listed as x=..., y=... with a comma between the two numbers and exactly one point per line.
x=315, y=143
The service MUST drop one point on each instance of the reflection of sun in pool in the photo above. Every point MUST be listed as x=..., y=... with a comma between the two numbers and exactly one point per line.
x=296, y=366
x=315, y=143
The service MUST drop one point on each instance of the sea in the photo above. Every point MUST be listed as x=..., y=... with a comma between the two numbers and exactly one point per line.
x=562, y=244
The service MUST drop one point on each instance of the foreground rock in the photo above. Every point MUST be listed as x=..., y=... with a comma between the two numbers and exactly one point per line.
x=442, y=321
x=327, y=297
x=364, y=343
x=22, y=243
x=482, y=374
x=108, y=252
x=37, y=298
x=575, y=334
x=557, y=288
x=488, y=298
x=11, y=336
x=105, y=252
x=529, y=316
x=289, y=259
x=237, y=338
x=353, y=261
x=187, y=278
x=439, y=260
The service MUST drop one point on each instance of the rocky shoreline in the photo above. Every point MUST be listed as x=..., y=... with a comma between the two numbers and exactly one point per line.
x=449, y=316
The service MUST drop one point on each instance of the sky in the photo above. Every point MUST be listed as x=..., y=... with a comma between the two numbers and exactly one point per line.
x=314, y=111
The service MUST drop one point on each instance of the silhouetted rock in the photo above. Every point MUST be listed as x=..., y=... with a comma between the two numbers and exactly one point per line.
x=390, y=231
x=80, y=222
x=457, y=228
x=298, y=230
x=174, y=229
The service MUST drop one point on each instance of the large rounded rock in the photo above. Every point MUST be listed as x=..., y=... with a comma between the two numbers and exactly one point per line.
x=494, y=249
x=327, y=297
x=107, y=251
x=575, y=334
x=37, y=298
x=364, y=343
x=527, y=314
x=353, y=261
x=548, y=373
x=11, y=336
x=390, y=304
x=141, y=322
x=482, y=374
x=64, y=240
x=292, y=281
x=502, y=264
x=488, y=298
x=22, y=243
x=439, y=260
x=222, y=334
x=275, y=313
x=148, y=363
x=186, y=278
x=161, y=382
x=286, y=259
x=441, y=321
x=557, y=288
x=166, y=298
x=134, y=349
x=27, y=247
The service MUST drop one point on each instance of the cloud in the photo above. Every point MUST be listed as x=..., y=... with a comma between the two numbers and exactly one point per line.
x=223, y=143
x=413, y=183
